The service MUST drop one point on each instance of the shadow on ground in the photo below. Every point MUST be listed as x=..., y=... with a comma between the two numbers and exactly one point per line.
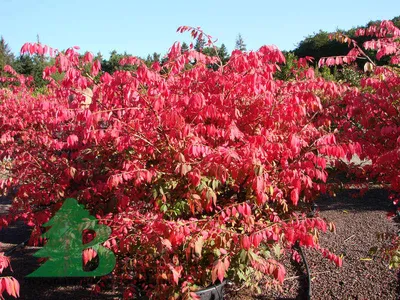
x=352, y=199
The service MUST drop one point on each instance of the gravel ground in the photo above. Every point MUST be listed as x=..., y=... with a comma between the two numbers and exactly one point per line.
x=358, y=220
x=362, y=276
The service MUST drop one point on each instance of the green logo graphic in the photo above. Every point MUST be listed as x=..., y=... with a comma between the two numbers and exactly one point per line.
x=65, y=246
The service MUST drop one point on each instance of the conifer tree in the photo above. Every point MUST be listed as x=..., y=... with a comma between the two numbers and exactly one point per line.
x=184, y=47
x=200, y=43
x=240, y=45
x=223, y=54
x=6, y=56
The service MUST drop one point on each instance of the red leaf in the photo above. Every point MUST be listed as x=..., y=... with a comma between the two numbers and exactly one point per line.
x=16, y=287
x=193, y=295
x=88, y=255
x=294, y=196
x=246, y=242
x=106, y=78
x=218, y=271
x=176, y=273
x=72, y=140
x=280, y=273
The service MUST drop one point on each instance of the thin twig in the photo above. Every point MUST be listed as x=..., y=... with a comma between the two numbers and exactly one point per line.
x=314, y=274
x=349, y=238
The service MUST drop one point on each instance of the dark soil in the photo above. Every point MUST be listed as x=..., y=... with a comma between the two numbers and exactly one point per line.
x=363, y=276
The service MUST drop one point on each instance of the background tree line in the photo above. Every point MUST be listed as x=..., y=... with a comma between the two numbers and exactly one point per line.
x=316, y=45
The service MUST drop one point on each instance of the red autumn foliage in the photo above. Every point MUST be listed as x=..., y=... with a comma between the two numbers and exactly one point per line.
x=199, y=171
x=370, y=114
x=8, y=283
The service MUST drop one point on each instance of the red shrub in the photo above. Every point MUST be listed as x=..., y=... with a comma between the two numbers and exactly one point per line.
x=199, y=171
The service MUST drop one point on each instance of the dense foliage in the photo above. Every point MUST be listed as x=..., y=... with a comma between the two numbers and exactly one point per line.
x=203, y=172
x=8, y=284
x=371, y=112
x=320, y=45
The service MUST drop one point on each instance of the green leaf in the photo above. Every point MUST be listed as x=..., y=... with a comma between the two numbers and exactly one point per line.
x=217, y=252
x=240, y=275
x=214, y=184
x=277, y=250
x=243, y=256
x=155, y=193
x=174, y=184
x=163, y=208
x=252, y=255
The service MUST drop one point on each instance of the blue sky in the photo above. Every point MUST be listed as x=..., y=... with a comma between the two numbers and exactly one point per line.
x=143, y=27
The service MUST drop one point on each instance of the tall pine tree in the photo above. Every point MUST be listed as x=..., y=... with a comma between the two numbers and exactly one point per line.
x=6, y=56
x=184, y=47
x=200, y=43
x=240, y=45
x=223, y=54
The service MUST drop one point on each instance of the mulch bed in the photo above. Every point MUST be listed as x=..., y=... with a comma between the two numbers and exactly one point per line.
x=363, y=276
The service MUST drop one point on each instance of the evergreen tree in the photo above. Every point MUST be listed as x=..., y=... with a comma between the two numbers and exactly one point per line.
x=112, y=64
x=209, y=51
x=32, y=66
x=156, y=57
x=184, y=47
x=24, y=65
x=285, y=72
x=223, y=54
x=396, y=21
x=320, y=45
x=151, y=59
x=6, y=56
x=99, y=56
x=200, y=43
x=240, y=45
x=148, y=61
